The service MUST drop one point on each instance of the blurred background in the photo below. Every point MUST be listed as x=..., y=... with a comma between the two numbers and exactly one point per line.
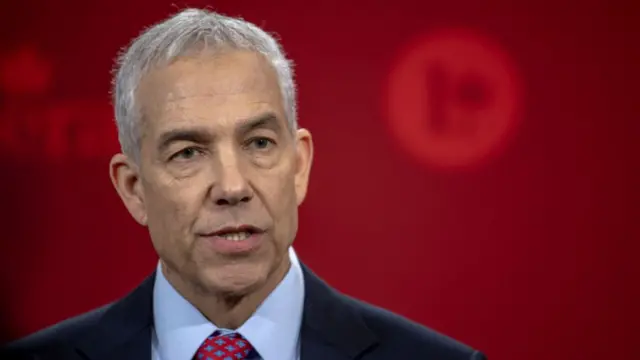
x=474, y=165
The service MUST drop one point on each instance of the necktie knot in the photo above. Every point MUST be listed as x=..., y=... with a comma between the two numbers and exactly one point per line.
x=230, y=346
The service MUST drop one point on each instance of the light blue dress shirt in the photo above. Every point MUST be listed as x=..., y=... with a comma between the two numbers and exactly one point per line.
x=273, y=330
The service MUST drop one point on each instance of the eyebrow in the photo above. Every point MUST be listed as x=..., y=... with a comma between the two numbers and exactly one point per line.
x=267, y=120
x=196, y=135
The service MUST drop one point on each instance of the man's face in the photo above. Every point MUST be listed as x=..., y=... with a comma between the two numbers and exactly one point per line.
x=221, y=174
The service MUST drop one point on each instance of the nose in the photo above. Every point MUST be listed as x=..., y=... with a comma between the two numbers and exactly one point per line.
x=232, y=187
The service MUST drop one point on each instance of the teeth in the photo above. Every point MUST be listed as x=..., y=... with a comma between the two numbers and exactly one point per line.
x=237, y=236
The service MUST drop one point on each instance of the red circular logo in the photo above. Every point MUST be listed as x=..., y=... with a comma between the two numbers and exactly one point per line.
x=452, y=98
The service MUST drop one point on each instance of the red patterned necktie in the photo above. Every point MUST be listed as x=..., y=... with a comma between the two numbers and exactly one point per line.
x=224, y=347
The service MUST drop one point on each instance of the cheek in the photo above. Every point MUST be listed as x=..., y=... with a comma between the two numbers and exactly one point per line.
x=282, y=198
x=172, y=206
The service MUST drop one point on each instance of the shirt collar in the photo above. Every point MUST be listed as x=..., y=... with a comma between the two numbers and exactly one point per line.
x=273, y=329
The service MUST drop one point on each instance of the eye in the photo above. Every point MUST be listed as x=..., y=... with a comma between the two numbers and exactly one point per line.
x=186, y=153
x=261, y=143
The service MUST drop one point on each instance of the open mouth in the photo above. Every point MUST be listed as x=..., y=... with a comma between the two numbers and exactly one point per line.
x=235, y=240
x=236, y=236
x=236, y=233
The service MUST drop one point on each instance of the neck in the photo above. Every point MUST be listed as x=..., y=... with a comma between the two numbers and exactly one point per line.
x=227, y=310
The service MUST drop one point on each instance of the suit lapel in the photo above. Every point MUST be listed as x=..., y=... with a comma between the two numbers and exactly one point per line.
x=313, y=348
x=124, y=331
x=331, y=327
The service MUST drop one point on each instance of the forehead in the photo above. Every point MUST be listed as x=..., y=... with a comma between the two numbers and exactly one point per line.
x=208, y=88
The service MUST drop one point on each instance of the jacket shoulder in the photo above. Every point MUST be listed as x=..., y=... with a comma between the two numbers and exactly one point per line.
x=54, y=337
x=397, y=332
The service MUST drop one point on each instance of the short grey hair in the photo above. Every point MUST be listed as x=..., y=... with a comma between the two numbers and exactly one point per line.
x=176, y=36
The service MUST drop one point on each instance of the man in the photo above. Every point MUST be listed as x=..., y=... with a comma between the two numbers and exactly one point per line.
x=214, y=164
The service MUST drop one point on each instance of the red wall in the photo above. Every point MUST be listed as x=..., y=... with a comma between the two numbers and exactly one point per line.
x=481, y=181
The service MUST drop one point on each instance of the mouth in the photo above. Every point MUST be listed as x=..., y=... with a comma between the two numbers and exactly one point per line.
x=236, y=233
x=236, y=236
x=235, y=240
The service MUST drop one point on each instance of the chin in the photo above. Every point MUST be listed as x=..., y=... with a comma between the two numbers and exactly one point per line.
x=235, y=278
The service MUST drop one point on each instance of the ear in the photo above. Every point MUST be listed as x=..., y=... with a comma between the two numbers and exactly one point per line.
x=304, y=158
x=125, y=176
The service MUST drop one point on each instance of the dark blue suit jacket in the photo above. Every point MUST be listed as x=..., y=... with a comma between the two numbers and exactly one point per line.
x=334, y=327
